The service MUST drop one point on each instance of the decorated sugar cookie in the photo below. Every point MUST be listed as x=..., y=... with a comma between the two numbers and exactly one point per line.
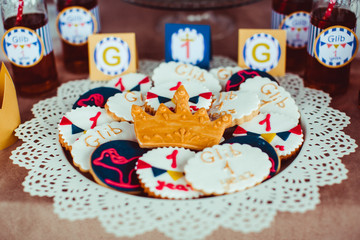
x=241, y=105
x=131, y=82
x=281, y=131
x=264, y=146
x=113, y=165
x=161, y=173
x=176, y=71
x=119, y=106
x=199, y=96
x=227, y=168
x=79, y=120
x=223, y=74
x=274, y=98
x=95, y=97
x=83, y=148
x=241, y=76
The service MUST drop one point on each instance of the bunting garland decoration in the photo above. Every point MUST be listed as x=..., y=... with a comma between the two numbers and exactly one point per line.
x=175, y=175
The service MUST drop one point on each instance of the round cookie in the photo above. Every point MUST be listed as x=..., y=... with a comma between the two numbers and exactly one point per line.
x=161, y=173
x=241, y=76
x=95, y=97
x=241, y=105
x=199, y=96
x=113, y=165
x=264, y=146
x=227, y=168
x=281, y=131
x=131, y=82
x=83, y=148
x=223, y=74
x=274, y=98
x=177, y=71
x=74, y=123
x=119, y=106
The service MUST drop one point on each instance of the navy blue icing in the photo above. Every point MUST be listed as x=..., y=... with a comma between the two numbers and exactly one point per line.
x=113, y=163
x=241, y=76
x=263, y=145
x=96, y=97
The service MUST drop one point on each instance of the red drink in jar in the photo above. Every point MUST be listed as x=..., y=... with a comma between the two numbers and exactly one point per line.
x=77, y=19
x=294, y=17
x=332, y=46
x=27, y=45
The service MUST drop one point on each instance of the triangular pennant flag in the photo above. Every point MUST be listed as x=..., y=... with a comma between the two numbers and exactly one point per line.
x=296, y=130
x=350, y=43
x=253, y=134
x=163, y=99
x=142, y=165
x=65, y=121
x=268, y=136
x=175, y=175
x=28, y=45
x=322, y=43
x=284, y=135
x=336, y=46
x=239, y=131
x=9, y=44
x=75, y=129
x=136, y=88
x=206, y=95
x=157, y=171
x=329, y=45
x=145, y=80
x=343, y=45
x=151, y=95
x=22, y=46
x=194, y=100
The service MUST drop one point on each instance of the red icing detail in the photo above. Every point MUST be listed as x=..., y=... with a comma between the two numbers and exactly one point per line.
x=267, y=122
x=162, y=184
x=142, y=165
x=145, y=80
x=280, y=147
x=194, y=108
x=296, y=130
x=94, y=120
x=240, y=131
x=119, y=83
x=116, y=159
x=206, y=95
x=329, y=45
x=176, y=87
x=272, y=169
x=187, y=45
x=172, y=157
x=151, y=95
x=65, y=121
x=305, y=29
x=97, y=98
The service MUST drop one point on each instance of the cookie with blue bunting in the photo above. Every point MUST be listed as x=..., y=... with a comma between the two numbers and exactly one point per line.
x=161, y=173
x=131, y=82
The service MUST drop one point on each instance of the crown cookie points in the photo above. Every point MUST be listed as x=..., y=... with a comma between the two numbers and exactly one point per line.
x=180, y=128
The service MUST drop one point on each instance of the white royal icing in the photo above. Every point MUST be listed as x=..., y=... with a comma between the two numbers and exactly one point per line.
x=121, y=103
x=227, y=168
x=79, y=120
x=83, y=147
x=273, y=97
x=161, y=170
x=168, y=90
x=273, y=127
x=130, y=81
x=223, y=74
x=176, y=71
x=240, y=104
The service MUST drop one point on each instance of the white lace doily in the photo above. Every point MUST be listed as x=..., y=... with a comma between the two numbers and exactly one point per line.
x=295, y=189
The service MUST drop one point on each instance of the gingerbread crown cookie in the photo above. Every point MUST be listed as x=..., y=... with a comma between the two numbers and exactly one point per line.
x=180, y=128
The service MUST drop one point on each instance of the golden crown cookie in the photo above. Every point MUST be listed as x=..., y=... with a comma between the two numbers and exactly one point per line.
x=161, y=173
x=227, y=168
x=177, y=71
x=74, y=123
x=241, y=105
x=281, y=131
x=180, y=128
x=83, y=148
x=119, y=106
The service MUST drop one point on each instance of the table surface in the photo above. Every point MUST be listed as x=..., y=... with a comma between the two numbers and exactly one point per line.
x=336, y=217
